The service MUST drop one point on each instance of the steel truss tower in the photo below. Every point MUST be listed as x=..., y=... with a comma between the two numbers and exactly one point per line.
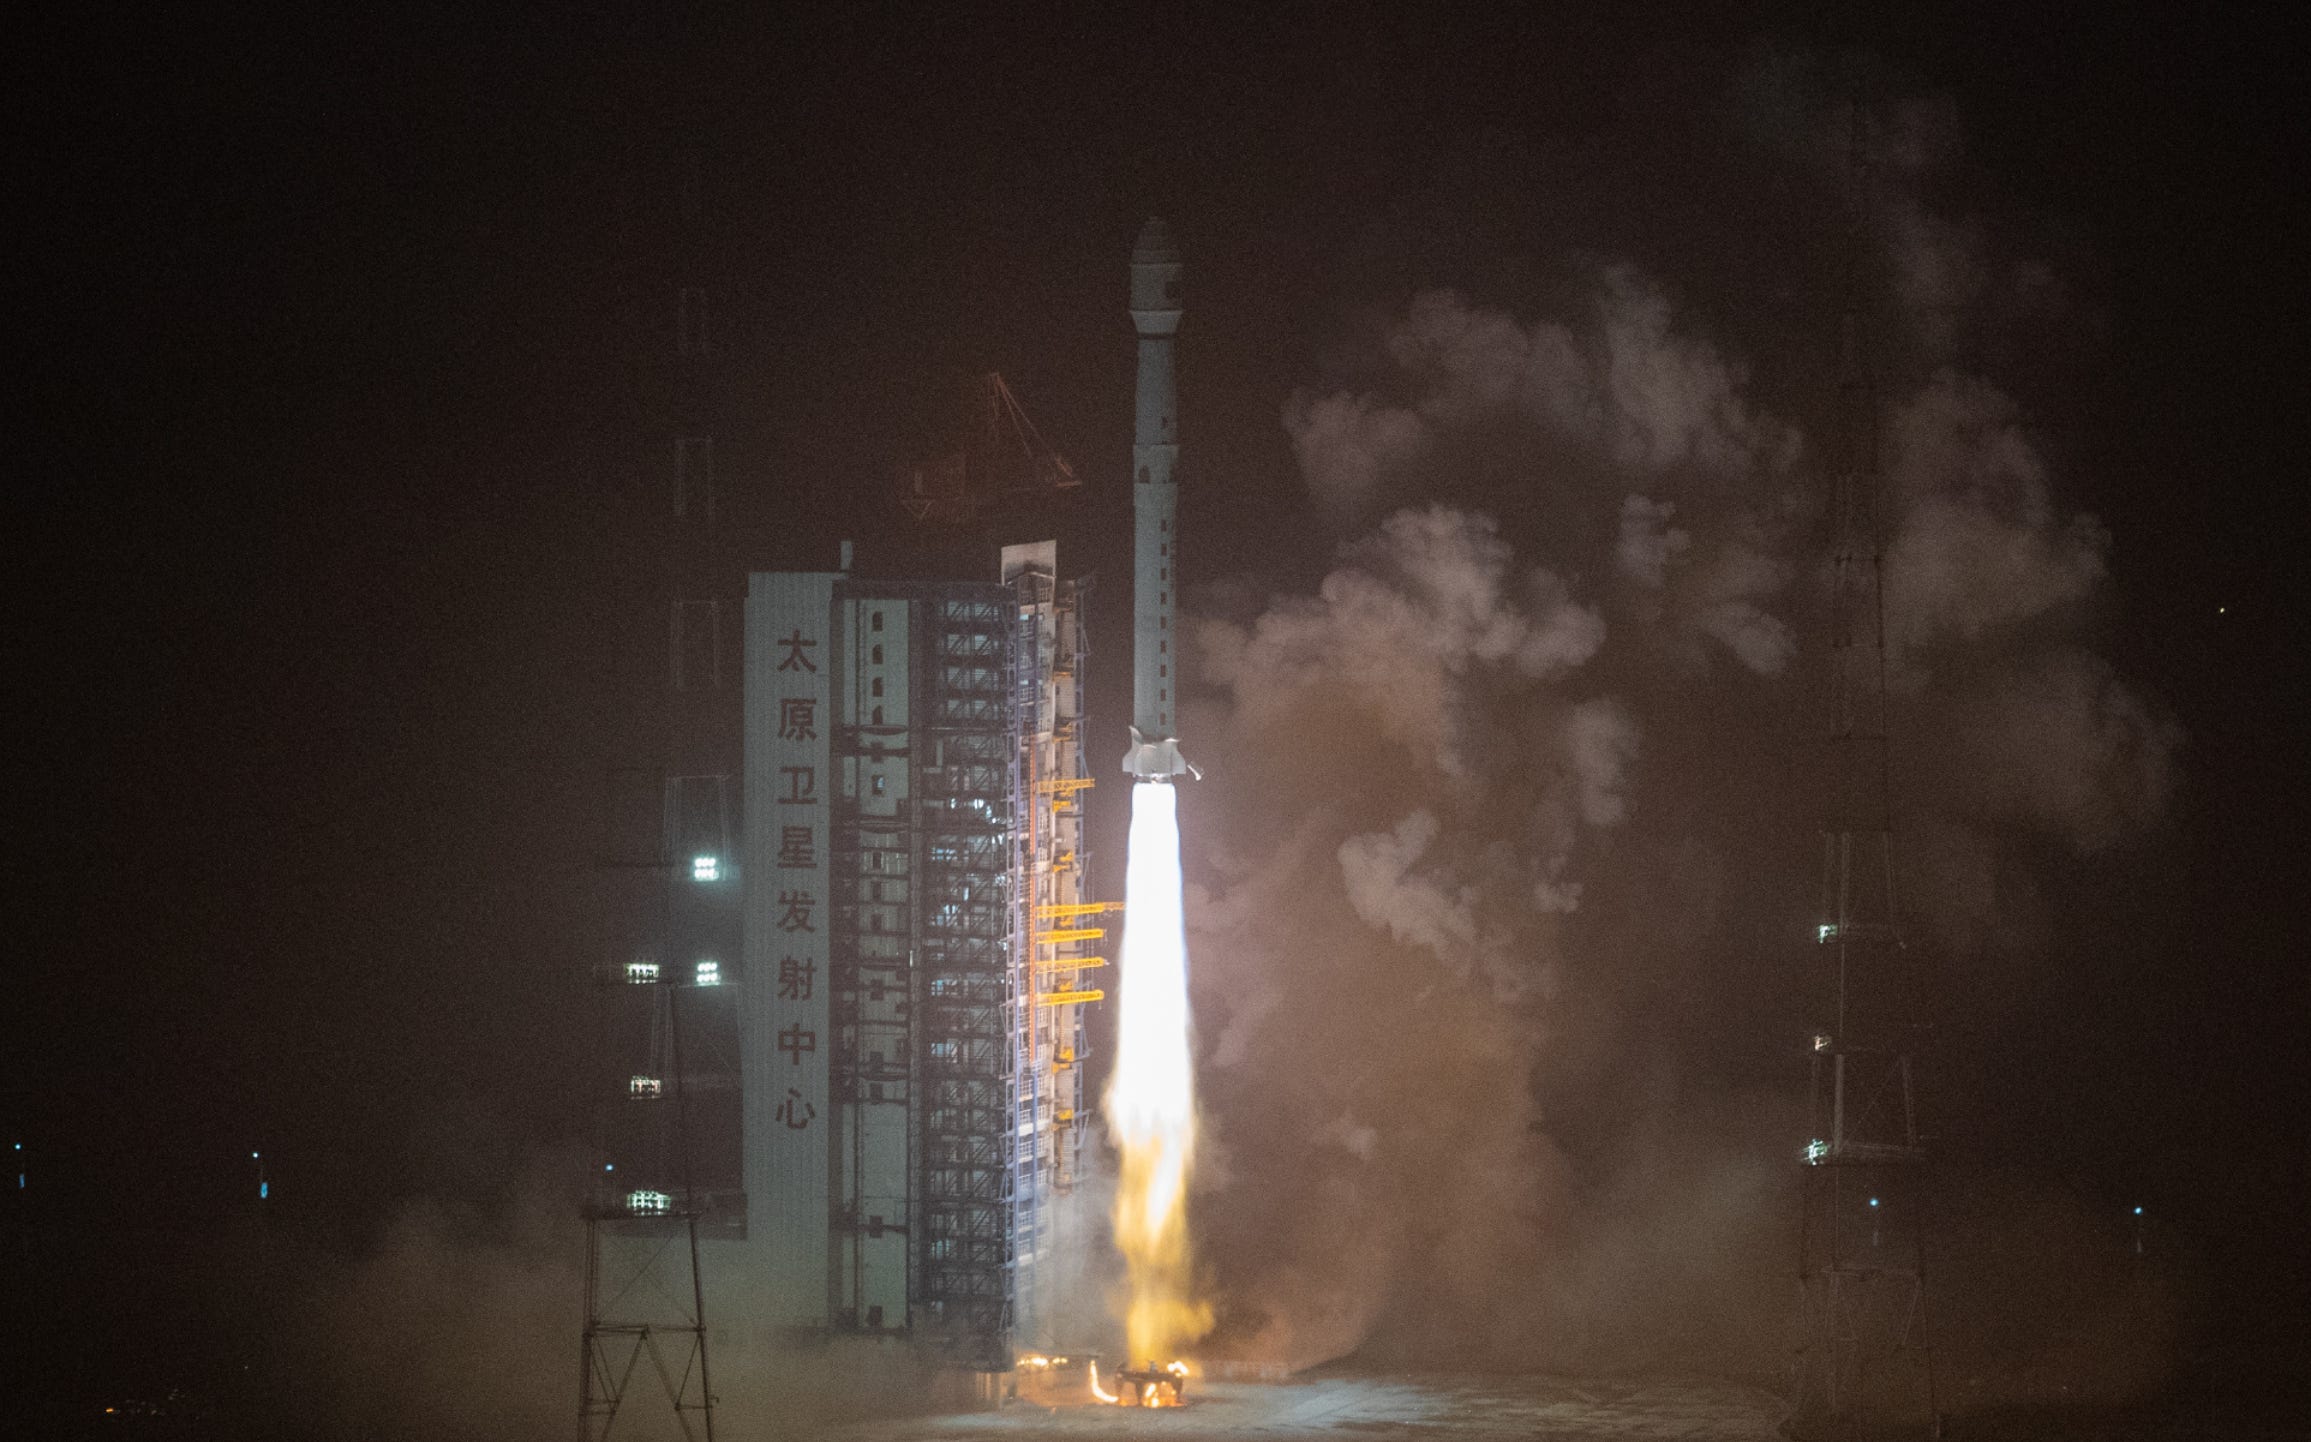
x=1864, y=1367
x=663, y=1168
x=637, y=1243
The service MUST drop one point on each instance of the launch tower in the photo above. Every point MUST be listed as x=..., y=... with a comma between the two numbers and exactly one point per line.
x=915, y=939
x=1061, y=929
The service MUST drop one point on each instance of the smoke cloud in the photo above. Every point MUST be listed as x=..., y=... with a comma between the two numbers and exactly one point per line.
x=1512, y=810
x=456, y=1322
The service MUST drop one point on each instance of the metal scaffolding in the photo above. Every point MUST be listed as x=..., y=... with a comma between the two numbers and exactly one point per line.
x=969, y=803
x=1058, y=931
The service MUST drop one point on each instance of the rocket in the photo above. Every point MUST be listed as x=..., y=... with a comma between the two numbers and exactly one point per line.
x=1155, y=454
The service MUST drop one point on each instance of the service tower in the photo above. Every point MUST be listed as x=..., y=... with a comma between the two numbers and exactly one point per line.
x=1155, y=454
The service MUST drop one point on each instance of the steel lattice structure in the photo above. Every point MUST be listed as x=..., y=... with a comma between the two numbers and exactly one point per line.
x=970, y=801
x=1865, y=1367
x=663, y=1091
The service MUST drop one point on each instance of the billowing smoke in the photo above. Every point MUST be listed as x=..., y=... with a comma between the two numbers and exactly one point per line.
x=459, y=1322
x=1506, y=863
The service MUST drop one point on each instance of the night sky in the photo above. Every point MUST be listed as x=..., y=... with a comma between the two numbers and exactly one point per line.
x=319, y=563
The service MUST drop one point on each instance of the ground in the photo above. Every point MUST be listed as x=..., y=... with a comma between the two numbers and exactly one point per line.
x=1380, y=1409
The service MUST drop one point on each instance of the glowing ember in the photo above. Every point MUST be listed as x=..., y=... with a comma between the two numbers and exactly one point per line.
x=1151, y=1110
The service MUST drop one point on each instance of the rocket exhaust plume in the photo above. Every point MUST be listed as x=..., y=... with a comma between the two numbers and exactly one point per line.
x=1151, y=1100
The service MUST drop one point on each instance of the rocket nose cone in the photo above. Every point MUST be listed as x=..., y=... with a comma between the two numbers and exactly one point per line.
x=1154, y=246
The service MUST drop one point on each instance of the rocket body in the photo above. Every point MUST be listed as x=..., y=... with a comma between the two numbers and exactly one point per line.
x=1155, y=454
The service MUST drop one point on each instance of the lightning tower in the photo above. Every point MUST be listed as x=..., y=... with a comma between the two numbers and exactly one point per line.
x=1864, y=1366
x=662, y=1171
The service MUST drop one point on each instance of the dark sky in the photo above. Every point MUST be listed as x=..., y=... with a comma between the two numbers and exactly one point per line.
x=316, y=327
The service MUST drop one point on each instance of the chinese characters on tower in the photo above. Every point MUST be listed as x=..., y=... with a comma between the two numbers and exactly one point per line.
x=788, y=915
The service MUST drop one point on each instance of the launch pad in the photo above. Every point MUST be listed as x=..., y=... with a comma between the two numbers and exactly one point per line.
x=1380, y=1408
x=1152, y=1386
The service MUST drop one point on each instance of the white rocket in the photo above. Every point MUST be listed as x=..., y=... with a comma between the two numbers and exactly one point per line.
x=1155, y=454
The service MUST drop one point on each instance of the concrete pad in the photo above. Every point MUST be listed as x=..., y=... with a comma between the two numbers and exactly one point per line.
x=1383, y=1409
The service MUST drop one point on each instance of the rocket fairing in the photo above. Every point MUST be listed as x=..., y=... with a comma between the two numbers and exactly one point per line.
x=1155, y=454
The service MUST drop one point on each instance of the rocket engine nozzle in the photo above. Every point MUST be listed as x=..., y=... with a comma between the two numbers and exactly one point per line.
x=1156, y=760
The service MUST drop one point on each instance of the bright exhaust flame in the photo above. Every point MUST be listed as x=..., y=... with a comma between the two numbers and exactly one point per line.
x=1151, y=1105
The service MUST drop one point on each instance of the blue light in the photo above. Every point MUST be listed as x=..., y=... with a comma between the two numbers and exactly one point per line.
x=609, y=1166
x=1873, y=1201
x=264, y=1190
x=2138, y=1211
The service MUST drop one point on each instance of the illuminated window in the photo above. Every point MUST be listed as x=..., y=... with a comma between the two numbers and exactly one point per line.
x=705, y=868
x=710, y=973
x=641, y=973
x=878, y=784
